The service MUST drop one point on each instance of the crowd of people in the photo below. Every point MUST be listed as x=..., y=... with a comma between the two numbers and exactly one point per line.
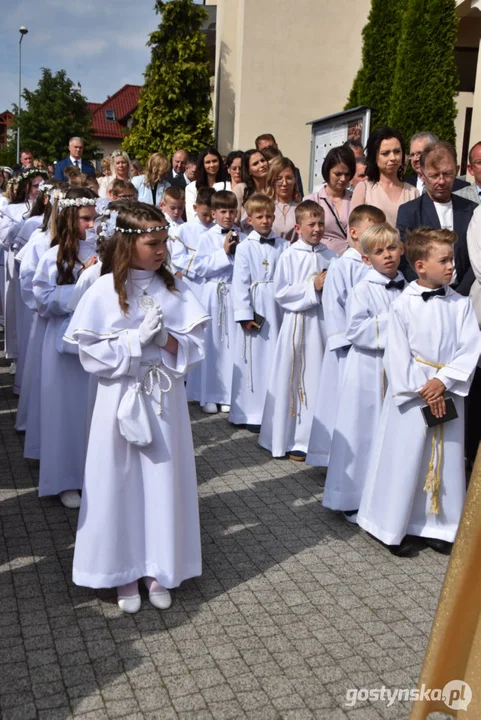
x=336, y=325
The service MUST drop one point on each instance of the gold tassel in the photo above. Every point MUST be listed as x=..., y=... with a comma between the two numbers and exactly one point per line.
x=432, y=483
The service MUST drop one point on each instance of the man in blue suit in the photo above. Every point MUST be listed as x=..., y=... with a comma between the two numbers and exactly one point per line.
x=76, y=148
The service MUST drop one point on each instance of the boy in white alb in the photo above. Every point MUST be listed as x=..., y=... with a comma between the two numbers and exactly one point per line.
x=173, y=205
x=214, y=262
x=294, y=380
x=253, y=297
x=187, y=241
x=416, y=481
x=363, y=385
x=344, y=273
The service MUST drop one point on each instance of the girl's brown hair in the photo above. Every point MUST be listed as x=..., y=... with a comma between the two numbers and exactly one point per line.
x=66, y=237
x=132, y=216
x=275, y=168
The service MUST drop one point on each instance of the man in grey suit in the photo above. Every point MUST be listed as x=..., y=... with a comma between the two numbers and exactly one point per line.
x=473, y=192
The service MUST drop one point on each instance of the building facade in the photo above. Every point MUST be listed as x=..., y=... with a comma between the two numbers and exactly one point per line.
x=283, y=63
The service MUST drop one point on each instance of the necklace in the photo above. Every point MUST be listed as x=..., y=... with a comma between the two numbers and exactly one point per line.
x=145, y=301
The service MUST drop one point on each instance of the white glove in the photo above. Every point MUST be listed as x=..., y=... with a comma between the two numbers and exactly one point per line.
x=162, y=337
x=150, y=325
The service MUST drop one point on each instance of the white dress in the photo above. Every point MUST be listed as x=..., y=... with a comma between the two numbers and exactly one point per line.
x=253, y=290
x=362, y=390
x=344, y=273
x=29, y=401
x=294, y=379
x=64, y=389
x=212, y=263
x=23, y=314
x=442, y=331
x=139, y=513
x=9, y=226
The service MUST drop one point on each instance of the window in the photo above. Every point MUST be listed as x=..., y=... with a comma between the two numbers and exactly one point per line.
x=110, y=115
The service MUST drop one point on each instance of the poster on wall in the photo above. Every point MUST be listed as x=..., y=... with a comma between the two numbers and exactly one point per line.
x=332, y=131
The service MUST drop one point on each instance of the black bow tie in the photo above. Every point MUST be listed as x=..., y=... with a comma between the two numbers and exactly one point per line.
x=398, y=284
x=224, y=231
x=269, y=240
x=427, y=295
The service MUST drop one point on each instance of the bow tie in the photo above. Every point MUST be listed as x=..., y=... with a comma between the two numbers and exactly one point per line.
x=398, y=284
x=224, y=231
x=263, y=239
x=427, y=295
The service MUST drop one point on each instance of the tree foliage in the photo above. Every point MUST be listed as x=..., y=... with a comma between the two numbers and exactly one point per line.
x=175, y=102
x=373, y=83
x=426, y=77
x=53, y=113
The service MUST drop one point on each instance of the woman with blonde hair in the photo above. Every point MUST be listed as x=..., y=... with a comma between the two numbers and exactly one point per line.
x=119, y=168
x=282, y=188
x=153, y=183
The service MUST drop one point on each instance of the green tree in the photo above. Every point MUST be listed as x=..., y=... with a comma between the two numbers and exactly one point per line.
x=53, y=113
x=426, y=78
x=175, y=102
x=373, y=82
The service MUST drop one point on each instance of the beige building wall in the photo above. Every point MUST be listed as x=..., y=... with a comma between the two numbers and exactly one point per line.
x=281, y=64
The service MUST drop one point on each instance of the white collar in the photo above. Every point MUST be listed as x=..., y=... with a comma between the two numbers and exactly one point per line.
x=305, y=247
x=254, y=235
x=414, y=288
x=376, y=277
x=352, y=254
x=198, y=221
x=218, y=230
x=74, y=160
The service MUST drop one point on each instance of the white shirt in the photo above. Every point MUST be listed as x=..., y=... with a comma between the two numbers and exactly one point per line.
x=420, y=185
x=445, y=214
x=74, y=161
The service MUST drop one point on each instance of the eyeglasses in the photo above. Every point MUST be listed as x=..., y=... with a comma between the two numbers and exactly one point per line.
x=414, y=155
x=438, y=176
x=288, y=181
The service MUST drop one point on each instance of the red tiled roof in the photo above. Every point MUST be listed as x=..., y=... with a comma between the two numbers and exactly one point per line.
x=123, y=103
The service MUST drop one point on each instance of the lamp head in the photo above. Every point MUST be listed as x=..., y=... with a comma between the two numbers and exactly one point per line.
x=22, y=30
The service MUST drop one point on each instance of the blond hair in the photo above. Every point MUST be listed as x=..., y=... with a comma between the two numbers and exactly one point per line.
x=156, y=169
x=259, y=201
x=421, y=241
x=116, y=154
x=381, y=234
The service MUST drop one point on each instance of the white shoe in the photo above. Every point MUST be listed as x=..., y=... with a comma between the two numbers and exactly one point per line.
x=161, y=600
x=129, y=604
x=209, y=408
x=70, y=499
x=225, y=408
x=13, y=368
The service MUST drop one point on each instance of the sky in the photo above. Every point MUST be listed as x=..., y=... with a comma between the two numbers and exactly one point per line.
x=101, y=44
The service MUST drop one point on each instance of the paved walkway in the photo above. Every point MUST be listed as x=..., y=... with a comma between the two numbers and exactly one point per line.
x=294, y=607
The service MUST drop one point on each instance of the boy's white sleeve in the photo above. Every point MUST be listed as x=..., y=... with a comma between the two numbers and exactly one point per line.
x=334, y=304
x=458, y=373
x=363, y=328
x=291, y=295
x=241, y=283
x=208, y=262
x=183, y=255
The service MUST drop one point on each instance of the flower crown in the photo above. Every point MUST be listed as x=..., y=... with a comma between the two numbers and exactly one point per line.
x=108, y=226
x=117, y=153
x=77, y=202
x=26, y=174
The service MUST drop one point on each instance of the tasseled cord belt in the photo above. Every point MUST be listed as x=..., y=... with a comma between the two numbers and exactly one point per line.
x=432, y=483
x=155, y=374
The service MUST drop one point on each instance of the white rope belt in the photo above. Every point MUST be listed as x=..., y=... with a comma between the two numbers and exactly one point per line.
x=222, y=292
x=155, y=374
x=247, y=337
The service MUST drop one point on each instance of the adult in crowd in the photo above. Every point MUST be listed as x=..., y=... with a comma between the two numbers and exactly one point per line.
x=26, y=161
x=473, y=192
x=416, y=146
x=338, y=169
x=254, y=179
x=119, y=170
x=105, y=167
x=6, y=174
x=233, y=166
x=473, y=426
x=209, y=171
x=268, y=140
x=152, y=184
x=76, y=148
x=136, y=168
x=384, y=187
x=437, y=207
x=282, y=188
x=176, y=174
x=360, y=174
x=356, y=147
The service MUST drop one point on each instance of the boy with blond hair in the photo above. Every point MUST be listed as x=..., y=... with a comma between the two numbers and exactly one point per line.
x=416, y=482
x=256, y=312
x=294, y=380
x=344, y=274
x=363, y=384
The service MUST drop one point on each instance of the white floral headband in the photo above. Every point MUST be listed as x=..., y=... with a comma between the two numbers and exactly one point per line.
x=56, y=194
x=26, y=174
x=77, y=202
x=108, y=226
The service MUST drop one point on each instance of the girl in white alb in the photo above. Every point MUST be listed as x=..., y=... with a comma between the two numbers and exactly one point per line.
x=139, y=330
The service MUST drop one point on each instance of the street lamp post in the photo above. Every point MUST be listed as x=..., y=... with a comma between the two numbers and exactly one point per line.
x=23, y=31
